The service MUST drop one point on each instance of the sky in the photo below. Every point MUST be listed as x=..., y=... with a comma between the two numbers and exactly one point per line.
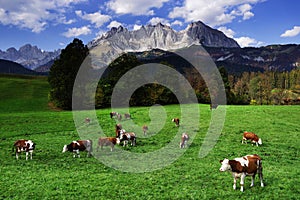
x=53, y=24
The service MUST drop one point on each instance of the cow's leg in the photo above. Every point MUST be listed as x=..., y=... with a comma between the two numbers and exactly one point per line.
x=17, y=155
x=234, y=183
x=27, y=155
x=252, y=180
x=31, y=155
x=242, y=181
x=111, y=147
x=260, y=176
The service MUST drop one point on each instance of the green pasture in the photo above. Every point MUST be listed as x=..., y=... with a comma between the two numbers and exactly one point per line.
x=24, y=113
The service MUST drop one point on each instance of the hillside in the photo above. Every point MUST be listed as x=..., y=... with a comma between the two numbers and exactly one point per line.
x=9, y=67
x=23, y=93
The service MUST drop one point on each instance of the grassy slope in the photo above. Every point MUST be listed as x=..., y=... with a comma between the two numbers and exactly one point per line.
x=53, y=175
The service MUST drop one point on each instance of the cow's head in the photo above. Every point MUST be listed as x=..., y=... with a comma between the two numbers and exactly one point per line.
x=65, y=149
x=259, y=141
x=30, y=145
x=225, y=166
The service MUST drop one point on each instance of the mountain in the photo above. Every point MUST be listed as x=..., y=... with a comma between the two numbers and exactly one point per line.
x=29, y=56
x=163, y=37
x=10, y=67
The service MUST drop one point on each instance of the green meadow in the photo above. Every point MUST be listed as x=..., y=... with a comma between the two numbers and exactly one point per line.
x=25, y=114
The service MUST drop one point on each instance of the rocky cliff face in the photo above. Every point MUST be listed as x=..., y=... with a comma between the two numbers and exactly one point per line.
x=29, y=56
x=163, y=37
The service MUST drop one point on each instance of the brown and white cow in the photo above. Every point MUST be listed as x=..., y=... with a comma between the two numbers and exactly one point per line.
x=24, y=145
x=113, y=114
x=79, y=145
x=248, y=165
x=118, y=129
x=145, y=129
x=176, y=121
x=107, y=141
x=184, y=139
x=125, y=137
x=127, y=116
x=252, y=137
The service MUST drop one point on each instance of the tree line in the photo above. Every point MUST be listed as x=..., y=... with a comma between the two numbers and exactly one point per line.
x=269, y=87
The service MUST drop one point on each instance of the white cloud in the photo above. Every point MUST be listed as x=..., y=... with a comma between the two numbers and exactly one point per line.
x=242, y=41
x=75, y=32
x=34, y=15
x=114, y=24
x=227, y=31
x=156, y=20
x=137, y=27
x=177, y=22
x=247, y=41
x=291, y=33
x=95, y=18
x=135, y=7
x=214, y=13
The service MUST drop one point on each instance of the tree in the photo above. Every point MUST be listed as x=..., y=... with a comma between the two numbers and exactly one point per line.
x=63, y=73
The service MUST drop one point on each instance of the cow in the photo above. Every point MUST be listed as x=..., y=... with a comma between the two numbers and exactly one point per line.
x=87, y=120
x=118, y=128
x=24, y=145
x=252, y=137
x=213, y=106
x=127, y=116
x=112, y=114
x=184, y=139
x=145, y=129
x=79, y=145
x=247, y=165
x=176, y=121
x=125, y=137
x=107, y=141
x=119, y=117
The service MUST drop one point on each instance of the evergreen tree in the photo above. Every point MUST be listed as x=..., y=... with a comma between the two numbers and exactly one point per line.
x=63, y=73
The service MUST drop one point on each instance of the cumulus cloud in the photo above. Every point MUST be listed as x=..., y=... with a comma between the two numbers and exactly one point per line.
x=214, y=13
x=156, y=20
x=34, y=15
x=242, y=41
x=95, y=18
x=114, y=24
x=291, y=33
x=135, y=7
x=75, y=32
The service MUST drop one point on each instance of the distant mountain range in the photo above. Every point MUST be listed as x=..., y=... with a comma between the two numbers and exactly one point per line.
x=150, y=38
x=10, y=67
x=29, y=56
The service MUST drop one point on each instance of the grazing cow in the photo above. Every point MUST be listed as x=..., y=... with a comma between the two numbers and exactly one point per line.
x=184, y=140
x=118, y=128
x=247, y=165
x=112, y=114
x=127, y=116
x=213, y=106
x=145, y=129
x=176, y=121
x=251, y=136
x=87, y=120
x=107, y=141
x=125, y=137
x=24, y=145
x=79, y=145
x=119, y=116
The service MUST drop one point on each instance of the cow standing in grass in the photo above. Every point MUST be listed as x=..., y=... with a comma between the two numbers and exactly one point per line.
x=24, y=145
x=184, y=139
x=79, y=145
x=248, y=165
x=125, y=137
x=145, y=129
x=176, y=121
x=252, y=137
x=107, y=141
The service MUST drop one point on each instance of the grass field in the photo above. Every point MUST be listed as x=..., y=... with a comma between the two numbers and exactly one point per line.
x=53, y=175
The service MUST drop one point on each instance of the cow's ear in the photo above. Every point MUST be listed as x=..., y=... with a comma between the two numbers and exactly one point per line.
x=221, y=161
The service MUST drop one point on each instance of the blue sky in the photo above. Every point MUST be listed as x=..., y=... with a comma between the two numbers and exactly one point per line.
x=52, y=24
